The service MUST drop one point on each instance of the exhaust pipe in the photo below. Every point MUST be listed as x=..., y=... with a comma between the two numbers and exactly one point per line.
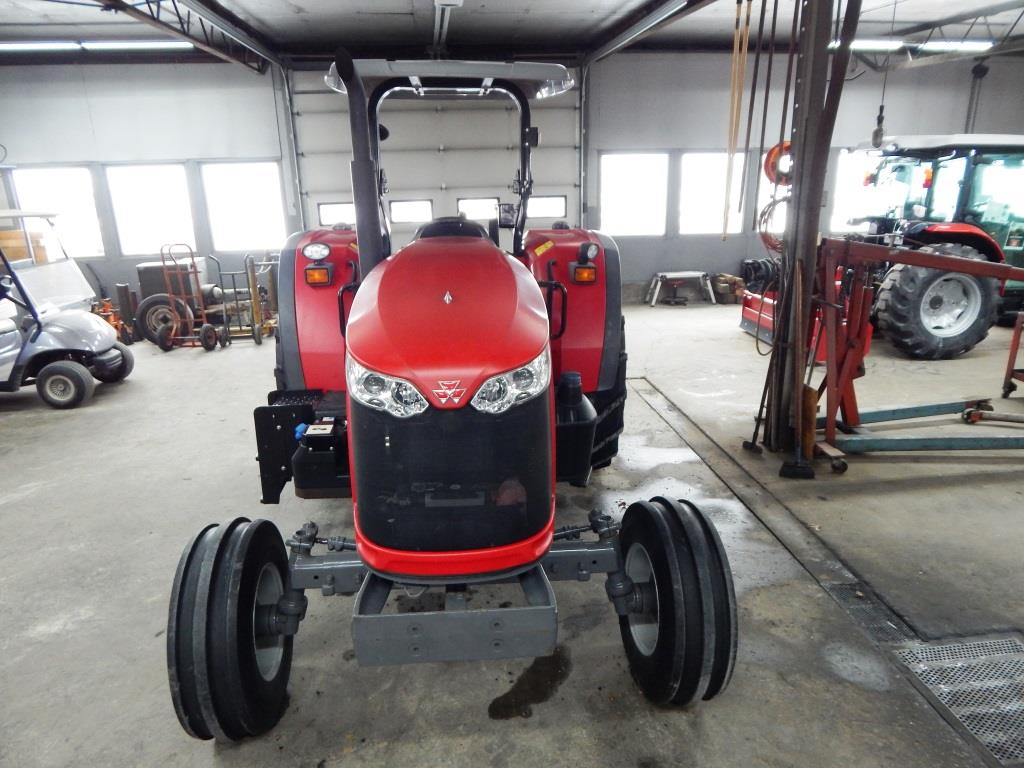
x=364, y=170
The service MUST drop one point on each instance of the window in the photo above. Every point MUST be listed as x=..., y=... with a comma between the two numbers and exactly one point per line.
x=634, y=193
x=854, y=195
x=997, y=195
x=411, y=211
x=336, y=213
x=702, y=188
x=550, y=207
x=68, y=193
x=478, y=208
x=243, y=201
x=945, y=192
x=151, y=207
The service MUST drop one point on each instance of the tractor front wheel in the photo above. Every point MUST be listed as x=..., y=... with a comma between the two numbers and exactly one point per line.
x=680, y=636
x=228, y=669
x=929, y=314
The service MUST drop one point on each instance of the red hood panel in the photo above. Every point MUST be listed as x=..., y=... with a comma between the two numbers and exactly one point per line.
x=402, y=324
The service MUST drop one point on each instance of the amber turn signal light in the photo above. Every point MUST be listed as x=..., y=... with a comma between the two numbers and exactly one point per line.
x=584, y=273
x=318, y=275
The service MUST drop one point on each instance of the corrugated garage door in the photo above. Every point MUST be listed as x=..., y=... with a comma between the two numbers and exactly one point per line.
x=437, y=151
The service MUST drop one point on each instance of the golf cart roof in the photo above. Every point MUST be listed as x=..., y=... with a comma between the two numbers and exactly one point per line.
x=15, y=213
x=536, y=80
x=938, y=144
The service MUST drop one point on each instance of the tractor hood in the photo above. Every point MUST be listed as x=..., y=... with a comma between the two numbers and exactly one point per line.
x=447, y=309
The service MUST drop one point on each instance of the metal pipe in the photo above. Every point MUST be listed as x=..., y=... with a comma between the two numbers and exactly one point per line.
x=674, y=9
x=364, y=170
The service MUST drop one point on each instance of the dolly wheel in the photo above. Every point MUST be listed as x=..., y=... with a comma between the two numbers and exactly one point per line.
x=228, y=672
x=680, y=637
x=223, y=336
x=165, y=337
x=65, y=384
x=208, y=337
x=257, y=334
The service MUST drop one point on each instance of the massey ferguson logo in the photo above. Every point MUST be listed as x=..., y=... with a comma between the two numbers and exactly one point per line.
x=449, y=390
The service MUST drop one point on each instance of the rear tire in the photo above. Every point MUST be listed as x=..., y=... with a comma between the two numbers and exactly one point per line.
x=930, y=314
x=65, y=384
x=154, y=312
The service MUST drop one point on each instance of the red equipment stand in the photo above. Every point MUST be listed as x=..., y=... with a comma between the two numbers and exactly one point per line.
x=1013, y=373
x=846, y=345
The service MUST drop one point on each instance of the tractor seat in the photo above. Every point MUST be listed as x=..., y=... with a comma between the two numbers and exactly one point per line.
x=7, y=325
x=451, y=226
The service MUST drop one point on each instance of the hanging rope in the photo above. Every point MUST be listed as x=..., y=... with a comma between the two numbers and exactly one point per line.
x=740, y=46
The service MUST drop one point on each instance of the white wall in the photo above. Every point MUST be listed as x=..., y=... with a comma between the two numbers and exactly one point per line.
x=133, y=113
x=681, y=102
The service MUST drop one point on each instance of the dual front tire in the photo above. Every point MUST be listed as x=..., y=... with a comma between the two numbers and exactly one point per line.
x=680, y=639
x=228, y=670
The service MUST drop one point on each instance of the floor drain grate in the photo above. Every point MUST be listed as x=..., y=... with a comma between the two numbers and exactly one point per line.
x=980, y=685
x=870, y=613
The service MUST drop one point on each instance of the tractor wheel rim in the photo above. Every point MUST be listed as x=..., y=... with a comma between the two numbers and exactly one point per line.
x=269, y=649
x=60, y=388
x=643, y=625
x=951, y=305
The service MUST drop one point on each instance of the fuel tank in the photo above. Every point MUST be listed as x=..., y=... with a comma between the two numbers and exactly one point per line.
x=447, y=309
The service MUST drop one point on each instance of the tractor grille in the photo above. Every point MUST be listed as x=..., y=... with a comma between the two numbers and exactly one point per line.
x=979, y=684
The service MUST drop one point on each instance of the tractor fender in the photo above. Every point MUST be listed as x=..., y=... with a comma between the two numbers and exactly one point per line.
x=965, y=234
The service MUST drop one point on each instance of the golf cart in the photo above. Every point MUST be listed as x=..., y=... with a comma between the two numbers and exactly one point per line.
x=61, y=351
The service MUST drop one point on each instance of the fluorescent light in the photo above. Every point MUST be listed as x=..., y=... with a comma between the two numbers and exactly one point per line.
x=956, y=46
x=135, y=45
x=52, y=45
x=870, y=45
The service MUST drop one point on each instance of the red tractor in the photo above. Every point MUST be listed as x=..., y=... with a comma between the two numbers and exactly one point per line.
x=962, y=195
x=445, y=388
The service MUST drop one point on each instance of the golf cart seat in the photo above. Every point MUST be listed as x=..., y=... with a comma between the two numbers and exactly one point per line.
x=451, y=226
x=7, y=326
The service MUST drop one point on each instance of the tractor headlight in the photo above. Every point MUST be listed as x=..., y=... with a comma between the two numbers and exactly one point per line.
x=316, y=251
x=383, y=393
x=501, y=392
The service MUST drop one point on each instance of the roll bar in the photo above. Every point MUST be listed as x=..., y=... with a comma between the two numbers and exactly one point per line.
x=365, y=187
x=425, y=79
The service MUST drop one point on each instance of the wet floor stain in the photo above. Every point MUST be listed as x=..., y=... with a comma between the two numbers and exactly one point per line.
x=535, y=685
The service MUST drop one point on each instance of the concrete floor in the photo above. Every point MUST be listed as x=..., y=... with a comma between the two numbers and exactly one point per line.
x=97, y=504
x=938, y=535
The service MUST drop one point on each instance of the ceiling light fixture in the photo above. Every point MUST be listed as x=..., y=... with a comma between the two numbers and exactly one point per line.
x=136, y=45
x=956, y=46
x=882, y=46
x=39, y=45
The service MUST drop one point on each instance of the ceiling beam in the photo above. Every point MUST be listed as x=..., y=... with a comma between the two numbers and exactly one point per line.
x=977, y=13
x=231, y=29
x=216, y=35
x=1011, y=45
x=633, y=31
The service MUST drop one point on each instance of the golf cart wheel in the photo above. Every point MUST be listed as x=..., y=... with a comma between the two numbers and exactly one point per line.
x=165, y=337
x=930, y=314
x=257, y=334
x=65, y=384
x=228, y=673
x=123, y=370
x=208, y=337
x=224, y=336
x=155, y=311
x=680, y=637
